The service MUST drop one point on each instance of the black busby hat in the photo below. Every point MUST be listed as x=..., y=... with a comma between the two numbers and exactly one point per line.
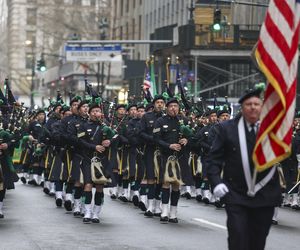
x=149, y=106
x=92, y=106
x=39, y=111
x=120, y=106
x=65, y=108
x=249, y=94
x=172, y=100
x=258, y=89
x=75, y=99
x=158, y=97
x=131, y=105
x=82, y=103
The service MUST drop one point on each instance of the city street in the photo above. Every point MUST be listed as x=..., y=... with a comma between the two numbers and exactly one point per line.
x=33, y=222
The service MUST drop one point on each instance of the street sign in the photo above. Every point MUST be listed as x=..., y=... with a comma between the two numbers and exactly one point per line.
x=107, y=53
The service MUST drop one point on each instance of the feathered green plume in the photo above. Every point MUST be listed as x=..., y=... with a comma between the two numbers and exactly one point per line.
x=261, y=86
x=217, y=108
x=225, y=107
x=77, y=97
x=145, y=102
x=177, y=96
x=98, y=100
x=165, y=95
x=89, y=99
x=52, y=102
x=1, y=102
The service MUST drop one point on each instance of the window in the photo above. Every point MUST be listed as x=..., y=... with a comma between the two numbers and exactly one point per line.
x=133, y=28
x=77, y=2
x=116, y=8
x=140, y=27
x=150, y=22
x=121, y=3
x=127, y=6
x=30, y=36
x=68, y=2
x=28, y=62
x=168, y=12
x=163, y=15
x=31, y=16
x=86, y=3
x=158, y=15
x=141, y=2
x=127, y=31
x=121, y=33
x=133, y=6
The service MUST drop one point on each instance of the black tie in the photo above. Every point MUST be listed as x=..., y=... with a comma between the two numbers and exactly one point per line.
x=252, y=133
x=251, y=144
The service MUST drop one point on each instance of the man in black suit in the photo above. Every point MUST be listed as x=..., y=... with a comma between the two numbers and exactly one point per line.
x=249, y=214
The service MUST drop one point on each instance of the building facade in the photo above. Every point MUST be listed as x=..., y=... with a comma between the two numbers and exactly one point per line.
x=40, y=28
x=3, y=40
x=138, y=19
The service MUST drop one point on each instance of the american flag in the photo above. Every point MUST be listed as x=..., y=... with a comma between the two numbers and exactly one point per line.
x=147, y=79
x=277, y=57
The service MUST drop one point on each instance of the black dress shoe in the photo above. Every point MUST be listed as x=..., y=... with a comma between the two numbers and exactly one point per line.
x=148, y=214
x=23, y=179
x=87, y=220
x=199, y=198
x=31, y=182
x=46, y=190
x=51, y=194
x=218, y=204
x=135, y=200
x=68, y=205
x=142, y=206
x=1, y=216
x=173, y=220
x=206, y=200
x=188, y=196
x=95, y=220
x=123, y=198
x=157, y=214
x=77, y=214
x=58, y=202
x=164, y=219
x=113, y=197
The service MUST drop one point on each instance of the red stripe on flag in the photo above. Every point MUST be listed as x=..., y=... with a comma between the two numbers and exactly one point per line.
x=276, y=148
x=287, y=51
x=288, y=137
x=286, y=11
x=260, y=155
x=278, y=116
x=272, y=66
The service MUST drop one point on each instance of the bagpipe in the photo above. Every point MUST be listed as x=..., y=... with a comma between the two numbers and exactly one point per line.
x=98, y=172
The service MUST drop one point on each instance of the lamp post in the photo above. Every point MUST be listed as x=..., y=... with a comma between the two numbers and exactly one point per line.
x=30, y=43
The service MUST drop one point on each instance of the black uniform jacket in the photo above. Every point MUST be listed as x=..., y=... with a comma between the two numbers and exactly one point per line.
x=225, y=154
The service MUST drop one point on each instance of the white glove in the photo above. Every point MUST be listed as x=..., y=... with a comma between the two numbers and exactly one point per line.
x=298, y=159
x=220, y=190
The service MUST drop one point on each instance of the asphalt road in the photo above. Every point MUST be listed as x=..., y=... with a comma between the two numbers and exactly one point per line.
x=32, y=221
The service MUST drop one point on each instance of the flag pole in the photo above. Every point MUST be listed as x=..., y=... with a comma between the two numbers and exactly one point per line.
x=251, y=192
x=168, y=71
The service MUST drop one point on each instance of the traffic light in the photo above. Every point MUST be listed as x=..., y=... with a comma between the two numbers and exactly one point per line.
x=217, y=20
x=41, y=65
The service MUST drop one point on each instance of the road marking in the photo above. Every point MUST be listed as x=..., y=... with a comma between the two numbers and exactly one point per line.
x=210, y=223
